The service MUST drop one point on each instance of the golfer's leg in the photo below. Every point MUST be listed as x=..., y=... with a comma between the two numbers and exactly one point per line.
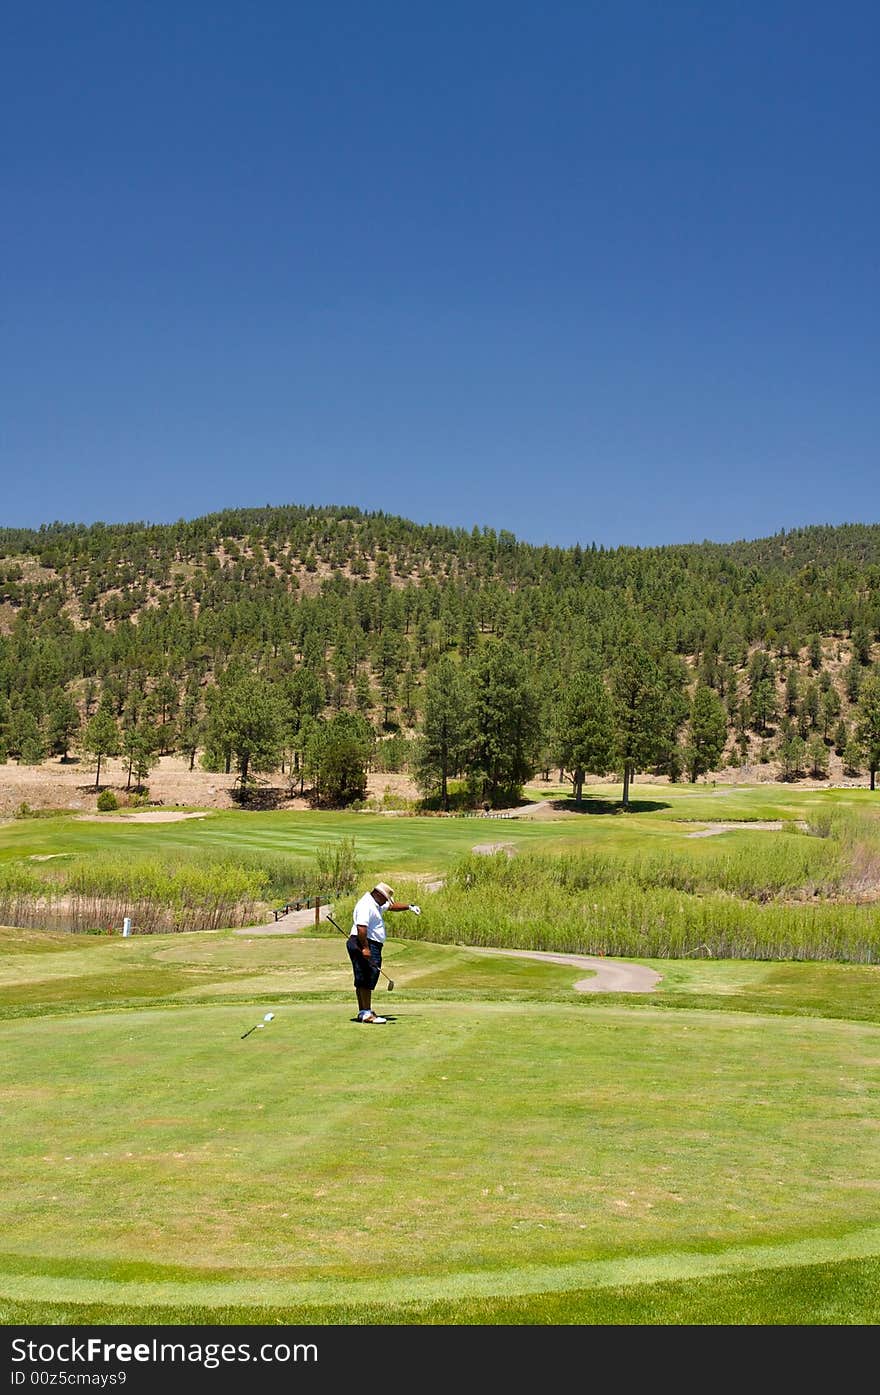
x=357, y=963
x=373, y=969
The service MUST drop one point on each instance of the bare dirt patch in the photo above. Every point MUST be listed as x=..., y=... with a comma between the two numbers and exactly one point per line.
x=58, y=784
x=70, y=785
x=490, y=848
x=391, y=783
x=143, y=816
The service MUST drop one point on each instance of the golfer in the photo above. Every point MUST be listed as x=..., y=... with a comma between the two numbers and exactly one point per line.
x=365, y=942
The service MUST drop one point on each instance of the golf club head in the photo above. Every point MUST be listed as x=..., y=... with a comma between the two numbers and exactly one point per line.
x=390, y=984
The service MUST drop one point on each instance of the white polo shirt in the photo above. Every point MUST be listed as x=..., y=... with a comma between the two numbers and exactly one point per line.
x=366, y=912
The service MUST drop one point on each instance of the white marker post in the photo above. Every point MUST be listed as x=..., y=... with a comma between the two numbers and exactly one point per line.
x=126, y=926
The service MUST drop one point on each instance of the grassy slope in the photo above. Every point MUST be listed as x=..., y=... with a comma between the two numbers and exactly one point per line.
x=425, y=845
x=641, y=1161
x=707, y=1154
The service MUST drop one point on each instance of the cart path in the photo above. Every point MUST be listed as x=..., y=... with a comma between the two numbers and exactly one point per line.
x=287, y=925
x=608, y=976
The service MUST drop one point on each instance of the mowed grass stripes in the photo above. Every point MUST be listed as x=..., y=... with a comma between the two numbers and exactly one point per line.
x=506, y=1150
x=153, y=1157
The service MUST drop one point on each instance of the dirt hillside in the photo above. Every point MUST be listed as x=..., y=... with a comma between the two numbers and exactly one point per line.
x=71, y=785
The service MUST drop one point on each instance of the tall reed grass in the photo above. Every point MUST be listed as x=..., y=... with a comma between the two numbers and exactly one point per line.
x=761, y=868
x=174, y=894
x=656, y=923
x=795, y=897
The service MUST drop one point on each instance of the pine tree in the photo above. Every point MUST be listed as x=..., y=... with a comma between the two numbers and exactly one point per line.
x=867, y=724
x=140, y=746
x=62, y=723
x=506, y=722
x=246, y=720
x=640, y=712
x=447, y=729
x=792, y=691
x=852, y=679
x=584, y=729
x=338, y=755
x=818, y=756
x=861, y=645
x=101, y=738
x=791, y=757
x=706, y=733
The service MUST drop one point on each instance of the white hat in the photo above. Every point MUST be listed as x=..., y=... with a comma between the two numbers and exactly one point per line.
x=385, y=890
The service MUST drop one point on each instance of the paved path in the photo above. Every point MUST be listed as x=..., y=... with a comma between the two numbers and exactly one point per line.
x=609, y=975
x=294, y=920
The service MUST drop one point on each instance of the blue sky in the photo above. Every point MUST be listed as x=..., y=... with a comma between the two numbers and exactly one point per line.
x=591, y=272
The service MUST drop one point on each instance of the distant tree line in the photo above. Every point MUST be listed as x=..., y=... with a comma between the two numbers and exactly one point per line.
x=323, y=642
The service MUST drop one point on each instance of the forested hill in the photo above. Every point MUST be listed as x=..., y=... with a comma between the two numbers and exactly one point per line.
x=782, y=588
x=349, y=532
x=358, y=607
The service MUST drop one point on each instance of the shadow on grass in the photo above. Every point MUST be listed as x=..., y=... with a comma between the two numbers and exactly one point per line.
x=261, y=798
x=590, y=805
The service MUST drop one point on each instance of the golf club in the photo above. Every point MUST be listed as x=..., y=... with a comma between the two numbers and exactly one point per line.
x=342, y=932
x=267, y=1018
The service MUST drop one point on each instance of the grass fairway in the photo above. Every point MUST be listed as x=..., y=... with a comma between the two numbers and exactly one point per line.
x=660, y=815
x=504, y=1151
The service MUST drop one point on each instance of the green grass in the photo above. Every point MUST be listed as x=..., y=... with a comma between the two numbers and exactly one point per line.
x=706, y=1153
x=422, y=844
x=536, y=1155
x=838, y=1293
x=632, y=1135
x=701, y=801
x=231, y=868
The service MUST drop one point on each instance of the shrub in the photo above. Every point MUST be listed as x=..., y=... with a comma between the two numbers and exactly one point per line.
x=391, y=803
x=336, y=865
x=107, y=802
x=24, y=811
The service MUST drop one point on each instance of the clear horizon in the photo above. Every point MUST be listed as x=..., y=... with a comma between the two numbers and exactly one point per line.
x=428, y=522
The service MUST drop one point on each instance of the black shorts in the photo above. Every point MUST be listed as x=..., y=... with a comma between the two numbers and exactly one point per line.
x=366, y=971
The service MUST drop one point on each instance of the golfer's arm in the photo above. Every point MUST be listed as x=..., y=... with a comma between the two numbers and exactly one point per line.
x=362, y=936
